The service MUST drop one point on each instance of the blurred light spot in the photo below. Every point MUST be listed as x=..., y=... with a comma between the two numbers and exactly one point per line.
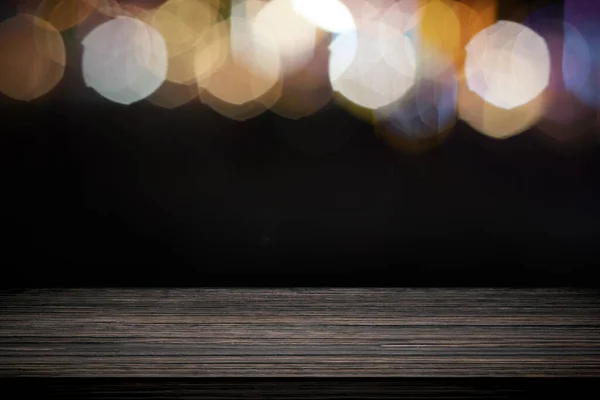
x=507, y=64
x=246, y=9
x=426, y=112
x=172, y=95
x=295, y=103
x=212, y=53
x=343, y=51
x=435, y=99
x=294, y=36
x=369, y=15
x=577, y=61
x=548, y=23
x=306, y=91
x=236, y=85
x=399, y=18
x=566, y=120
x=329, y=15
x=62, y=14
x=474, y=16
x=439, y=28
x=182, y=23
x=94, y=20
x=97, y=18
x=255, y=49
x=124, y=60
x=125, y=8
x=181, y=67
x=372, y=81
x=496, y=122
x=429, y=108
x=581, y=57
x=32, y=57
x=235, y=88
x=238, y=81
x=244, y=111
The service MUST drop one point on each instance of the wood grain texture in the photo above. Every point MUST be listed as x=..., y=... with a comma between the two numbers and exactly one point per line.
x=300, y=333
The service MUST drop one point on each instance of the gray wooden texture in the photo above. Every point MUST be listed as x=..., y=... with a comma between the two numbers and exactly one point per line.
x=300, y=333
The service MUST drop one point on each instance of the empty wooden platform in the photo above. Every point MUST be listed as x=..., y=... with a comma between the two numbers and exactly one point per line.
x=300, y=333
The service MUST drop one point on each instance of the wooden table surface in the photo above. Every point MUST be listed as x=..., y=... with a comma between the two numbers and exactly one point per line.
x=266, y=333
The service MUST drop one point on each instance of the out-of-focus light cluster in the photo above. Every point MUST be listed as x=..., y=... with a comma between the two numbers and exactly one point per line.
x=410, y=67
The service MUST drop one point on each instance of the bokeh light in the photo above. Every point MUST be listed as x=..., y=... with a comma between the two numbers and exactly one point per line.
x=239, y=88
x=253, y=48
x=409, y=67
x=61, y=14
x=369, y=15
x=343, y=51
x=439, y=28
x=507, y=64
x=236, y=85
x=184, y=25
x=474, y=16
x=172, y=95
x=212, y=53
x=566, y=120
x=330, y=15
x=307, y=91
x=125, y=8
x=577, y=62
x=497, y=122
x=294, y=37
x=425, y=115
x=124, y=60
x=32, y=57
x=581, y=54
x=372, y=80
x=399, y=17
x=237, y=81
x=429, y=108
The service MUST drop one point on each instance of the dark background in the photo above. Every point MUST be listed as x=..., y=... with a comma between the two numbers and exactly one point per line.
x=95, y=193
x=351, y=389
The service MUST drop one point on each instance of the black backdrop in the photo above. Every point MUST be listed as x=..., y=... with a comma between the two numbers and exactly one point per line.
x=97, y=193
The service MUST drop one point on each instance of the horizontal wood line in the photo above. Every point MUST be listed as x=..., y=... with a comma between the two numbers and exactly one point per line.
x=300, y=332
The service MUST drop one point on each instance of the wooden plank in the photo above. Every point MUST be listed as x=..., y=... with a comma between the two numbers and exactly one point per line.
x=300, y=333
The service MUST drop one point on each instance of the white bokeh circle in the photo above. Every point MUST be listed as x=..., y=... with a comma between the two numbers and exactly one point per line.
x=125, y=60
x=507, y=64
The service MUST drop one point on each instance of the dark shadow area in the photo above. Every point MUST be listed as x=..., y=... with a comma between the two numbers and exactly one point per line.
x=223, y=389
